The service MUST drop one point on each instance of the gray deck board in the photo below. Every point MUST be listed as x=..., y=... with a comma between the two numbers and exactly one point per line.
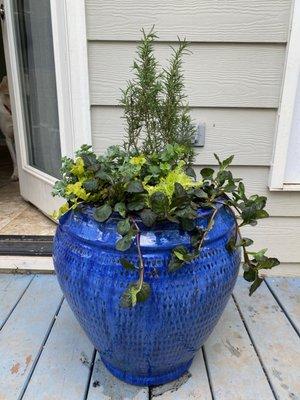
x=287, y=292
x=104, y=386
x=60, y=372
x=22, y=336
x=232, y=361
x=12, y=288
x=274, y=338
x=192, y=386
x=253, y=352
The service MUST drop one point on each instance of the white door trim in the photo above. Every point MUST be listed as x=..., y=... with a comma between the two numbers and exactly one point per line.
x=285, y=113
x=71, y=68
x=72, y=80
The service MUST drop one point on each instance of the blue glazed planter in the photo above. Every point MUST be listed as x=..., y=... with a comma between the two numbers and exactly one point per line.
x=155, y=341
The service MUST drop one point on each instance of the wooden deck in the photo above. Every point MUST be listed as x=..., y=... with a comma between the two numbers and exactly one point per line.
x=253, y=354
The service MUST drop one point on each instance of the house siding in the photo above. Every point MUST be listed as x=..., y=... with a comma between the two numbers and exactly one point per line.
x=233, y=80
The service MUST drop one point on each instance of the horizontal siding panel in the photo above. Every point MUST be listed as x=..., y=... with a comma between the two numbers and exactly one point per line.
x=247, y=133
x=279, y=203
x=217, y=75
x=198, y=20
x=279, y=235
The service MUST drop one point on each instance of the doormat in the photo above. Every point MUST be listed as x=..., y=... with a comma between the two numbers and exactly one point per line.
x=26, y=245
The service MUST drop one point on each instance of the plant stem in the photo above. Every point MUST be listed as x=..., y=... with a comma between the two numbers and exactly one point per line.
x=209, y=226
x=141, y=260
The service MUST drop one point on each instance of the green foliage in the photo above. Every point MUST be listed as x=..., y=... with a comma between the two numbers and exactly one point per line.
x=154, y=103
x=152, y=180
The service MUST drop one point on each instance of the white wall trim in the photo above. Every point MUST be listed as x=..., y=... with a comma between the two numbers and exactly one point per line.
x=71, y=62
x=285, y=113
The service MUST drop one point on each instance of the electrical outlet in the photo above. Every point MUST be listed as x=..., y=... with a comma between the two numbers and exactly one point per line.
x=199, y=139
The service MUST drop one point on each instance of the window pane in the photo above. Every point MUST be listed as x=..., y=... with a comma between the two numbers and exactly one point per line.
x=33, y=32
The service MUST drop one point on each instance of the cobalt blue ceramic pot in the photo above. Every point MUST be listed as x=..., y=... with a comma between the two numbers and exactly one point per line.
x=155, y=341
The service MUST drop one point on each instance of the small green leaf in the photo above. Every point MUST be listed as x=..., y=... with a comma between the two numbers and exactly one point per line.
x=126, y=264
x=268, y=263
x=227, y=161
x=207, y=173
x=188, y=224
x=121, y=209
x=250, y=275
x=123, y=226
x=159, y=203
x=175, y=263
x=133, y=294
x=137, y=204
x=102, y=213
x=255, y=285
x=124, y=243
x=135, y=187
x=190, y=172
x=144, y=293
x=148, y=217
x=91, y=185
x=231, y=244
x=261, y=214
x=246, y=242
x=217, y=158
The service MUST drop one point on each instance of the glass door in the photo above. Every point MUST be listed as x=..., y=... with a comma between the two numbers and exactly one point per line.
x=46, y=55
x=36, y=70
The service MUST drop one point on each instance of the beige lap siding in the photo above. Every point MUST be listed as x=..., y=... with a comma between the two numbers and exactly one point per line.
x=233, y=79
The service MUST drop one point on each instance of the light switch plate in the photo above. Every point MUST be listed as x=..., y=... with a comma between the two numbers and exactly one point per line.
x=199, y=140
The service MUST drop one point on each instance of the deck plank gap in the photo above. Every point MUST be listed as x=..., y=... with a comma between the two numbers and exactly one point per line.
x=39, y=353
x=283, y=308
x=15, y=305
x=255, y=348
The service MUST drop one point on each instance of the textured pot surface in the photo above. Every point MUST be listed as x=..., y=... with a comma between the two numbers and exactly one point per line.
x=155, y=341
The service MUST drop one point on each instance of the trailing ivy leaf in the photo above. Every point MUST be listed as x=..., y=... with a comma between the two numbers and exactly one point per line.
x=246, y=242
x=126, y=264
x=231, y=244
x=144, y=293
x=200, y=193
x=250, y=275
x=124, y=243
x=261, y=214
x=133, y=295
x=148, y=217
x=268, y=263
x=196, y=237
x=187, y=212
x=135, y=187
x=123, y=226
x=182, y=253
x=102, y=213
x=137, y=204
x=121, y=209
x=174, y=263
x=104, y=176
x=91, y=185
x=255, y=285
x=207, y=173
x=258, y=255
x=190, y=172
x=159, y=203
x=188, y=224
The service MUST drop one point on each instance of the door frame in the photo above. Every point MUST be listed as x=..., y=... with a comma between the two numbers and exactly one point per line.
x=286, y=109
x=72, y=83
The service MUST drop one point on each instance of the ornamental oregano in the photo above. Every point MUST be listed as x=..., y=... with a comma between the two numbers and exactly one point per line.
x=151, y=179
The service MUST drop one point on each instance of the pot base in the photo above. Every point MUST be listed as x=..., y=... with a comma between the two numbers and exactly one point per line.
x=150, y=380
